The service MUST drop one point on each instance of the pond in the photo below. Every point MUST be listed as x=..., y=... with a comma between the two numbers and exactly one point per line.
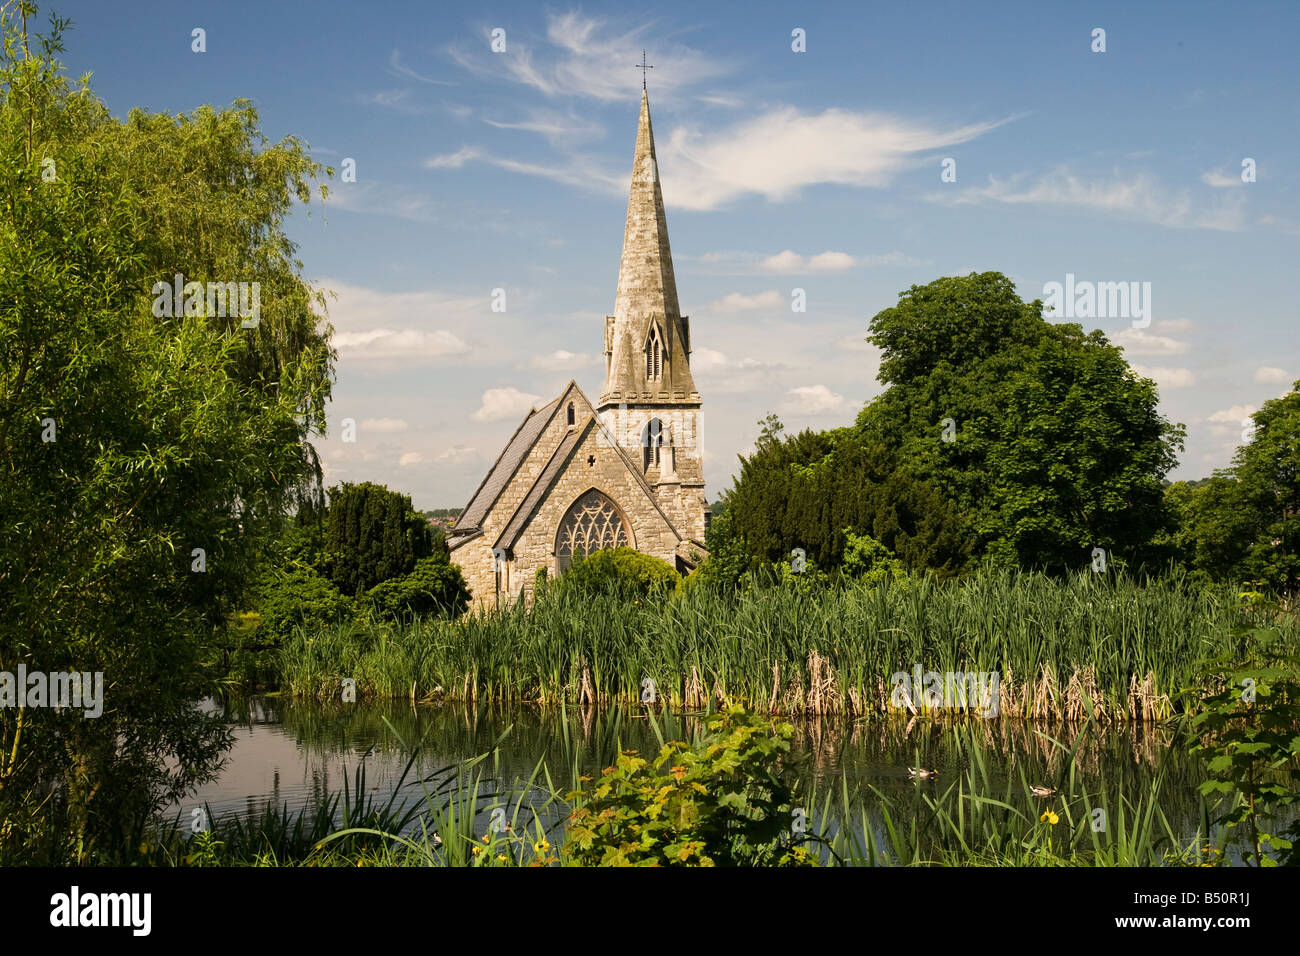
x=290, y=752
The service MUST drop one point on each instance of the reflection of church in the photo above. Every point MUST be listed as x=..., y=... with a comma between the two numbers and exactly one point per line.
x=575, y=477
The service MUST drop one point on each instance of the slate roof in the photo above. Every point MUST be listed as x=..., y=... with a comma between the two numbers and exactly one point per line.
x=542, y=486
x=516, y=451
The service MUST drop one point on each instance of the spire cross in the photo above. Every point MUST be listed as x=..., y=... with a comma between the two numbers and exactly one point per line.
x=642, y=66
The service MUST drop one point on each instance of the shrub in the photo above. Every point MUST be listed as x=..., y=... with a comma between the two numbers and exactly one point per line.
x=725, y=801
x=299, y=597
x=434, y=587
x=867, y=560
x=624, y=570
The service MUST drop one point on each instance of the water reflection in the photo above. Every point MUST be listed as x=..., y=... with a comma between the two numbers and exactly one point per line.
x=292, y=752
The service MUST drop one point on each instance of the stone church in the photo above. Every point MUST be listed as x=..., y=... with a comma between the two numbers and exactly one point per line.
x=627, y=471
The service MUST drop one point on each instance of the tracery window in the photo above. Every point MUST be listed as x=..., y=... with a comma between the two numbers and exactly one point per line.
x=653, y=355
x=592, y=522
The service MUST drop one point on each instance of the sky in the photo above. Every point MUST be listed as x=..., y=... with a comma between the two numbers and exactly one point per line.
x=493, y=142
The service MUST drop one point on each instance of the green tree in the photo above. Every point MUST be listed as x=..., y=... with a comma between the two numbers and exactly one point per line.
x=1268, y=469
x=373, y=534
x=146, y=459
x=1042, y=437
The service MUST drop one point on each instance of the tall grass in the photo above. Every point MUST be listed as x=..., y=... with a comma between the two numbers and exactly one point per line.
x=1108, y=648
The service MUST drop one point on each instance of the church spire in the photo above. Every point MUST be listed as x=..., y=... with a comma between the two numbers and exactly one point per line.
x=645, y=305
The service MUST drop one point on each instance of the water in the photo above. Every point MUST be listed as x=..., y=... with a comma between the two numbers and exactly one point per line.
x=293, y=752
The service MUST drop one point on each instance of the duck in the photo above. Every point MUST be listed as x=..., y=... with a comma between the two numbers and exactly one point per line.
x=1039, y=791
x=921, y=773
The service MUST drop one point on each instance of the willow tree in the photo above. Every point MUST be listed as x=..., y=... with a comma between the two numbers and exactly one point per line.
x=145, y=458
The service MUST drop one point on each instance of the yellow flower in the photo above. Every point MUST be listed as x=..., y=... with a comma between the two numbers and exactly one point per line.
x=485, y=838
x=478, y=850
x=1050, y=817
x=501, y=857
x=541, y=846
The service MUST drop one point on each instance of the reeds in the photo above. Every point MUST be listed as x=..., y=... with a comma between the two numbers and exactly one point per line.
x=1086, y=647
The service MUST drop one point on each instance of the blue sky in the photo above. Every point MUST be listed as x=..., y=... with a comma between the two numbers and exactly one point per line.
x=818, y=170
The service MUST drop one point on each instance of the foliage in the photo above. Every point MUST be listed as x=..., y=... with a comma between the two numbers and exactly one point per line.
x=434, y=587
x=1268, y=470
x=373, y=534
x=624, y=570
x=724, y=801
x=802, y=491
x=1247, y=721
x=1056, y=447
x=298, y=598
x=127, y=441
x=867, y=560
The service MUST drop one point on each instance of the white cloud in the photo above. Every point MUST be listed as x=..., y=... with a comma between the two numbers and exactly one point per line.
x=1139, y=197
x=739, y=302
x=362, y=331
x=410, y=458
x=1140, y=342
x=1175, y=325
x=388, y=425
x=457, y=454
x=1272, y=375
x=791, y=261
x=780, y=152
x=499, y=403
x=816, y=399
x=1220, y=179
x=1233, y=416
x=1167, y=377
x=589, y=57
x=561, y=361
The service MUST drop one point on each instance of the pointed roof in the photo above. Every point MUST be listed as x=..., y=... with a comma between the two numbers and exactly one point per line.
x=647, y=291
x=645, y=276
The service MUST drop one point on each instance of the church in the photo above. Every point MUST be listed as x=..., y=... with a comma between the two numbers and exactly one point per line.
x=626, y=471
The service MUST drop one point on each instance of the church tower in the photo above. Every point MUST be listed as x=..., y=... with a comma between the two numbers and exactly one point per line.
x=649, y=402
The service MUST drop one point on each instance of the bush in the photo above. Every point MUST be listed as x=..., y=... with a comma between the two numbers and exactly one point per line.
x=299, y=597
x=726, y=801
x=624, y=570
x=867, y=560
x=434, y=587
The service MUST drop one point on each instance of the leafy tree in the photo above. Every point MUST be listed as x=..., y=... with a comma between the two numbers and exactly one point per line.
x=434, y=587
x=145, y=459
x=1040, y=435
x=1268, y=470
x=373, y=534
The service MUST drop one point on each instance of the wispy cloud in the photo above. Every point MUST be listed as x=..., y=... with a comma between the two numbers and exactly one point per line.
x=791, y=261
x=1137, y=197
x=589, y=57
x=1142, y=342
x=1272, y=375
x=560, y=129
x=397, y=68
x=1167, y=377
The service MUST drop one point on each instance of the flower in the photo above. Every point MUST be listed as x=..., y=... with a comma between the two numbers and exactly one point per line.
x=478, y=850
x=541, y=846
x=485, y=838
x=1050, y=817
x=501, y=857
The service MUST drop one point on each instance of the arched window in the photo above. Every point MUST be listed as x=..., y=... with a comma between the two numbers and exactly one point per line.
x=592, y=522
x=653, y=437
x=570, y=413
x=654, y=359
